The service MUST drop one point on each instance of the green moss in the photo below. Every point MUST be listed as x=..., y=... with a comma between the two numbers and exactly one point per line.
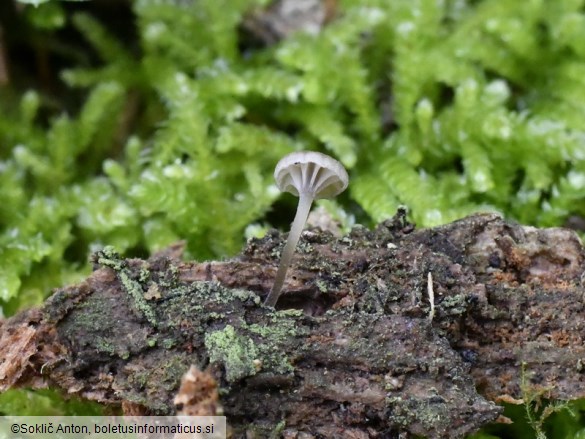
x=484, y=116
x=46, y=402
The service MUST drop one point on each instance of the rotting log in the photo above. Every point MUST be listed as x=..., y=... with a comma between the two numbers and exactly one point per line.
x=350, y=352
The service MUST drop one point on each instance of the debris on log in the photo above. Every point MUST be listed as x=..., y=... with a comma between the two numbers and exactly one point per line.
x=282, y=18
x=352, y=350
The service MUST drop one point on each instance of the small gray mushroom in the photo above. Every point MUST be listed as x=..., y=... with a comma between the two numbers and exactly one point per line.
x=310, y=176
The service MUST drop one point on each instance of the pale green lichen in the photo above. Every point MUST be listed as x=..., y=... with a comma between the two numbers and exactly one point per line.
x=244, y=349
x=134, y=289
x=249, y=348
x=236, y=352
x=321, y=285
x=244, y=295
x=454, y=305
x=109, y=258
x=169, y=343
x=103, y=345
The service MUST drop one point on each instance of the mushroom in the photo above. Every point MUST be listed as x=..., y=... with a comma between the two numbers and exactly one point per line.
x=310, y=176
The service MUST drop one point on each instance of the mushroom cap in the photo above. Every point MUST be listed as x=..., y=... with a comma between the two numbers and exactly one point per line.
x=310, y=173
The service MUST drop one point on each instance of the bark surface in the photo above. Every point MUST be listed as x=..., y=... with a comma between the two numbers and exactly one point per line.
x=350, y=352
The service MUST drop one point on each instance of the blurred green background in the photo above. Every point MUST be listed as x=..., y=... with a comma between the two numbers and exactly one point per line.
x=137, y=123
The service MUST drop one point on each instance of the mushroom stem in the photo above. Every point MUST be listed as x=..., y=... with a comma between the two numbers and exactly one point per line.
x=305, y=202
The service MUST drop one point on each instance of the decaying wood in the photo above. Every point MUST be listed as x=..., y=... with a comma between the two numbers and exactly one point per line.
x=351, y=351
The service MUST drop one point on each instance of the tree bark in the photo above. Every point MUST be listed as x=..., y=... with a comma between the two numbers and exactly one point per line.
x=352, y=351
